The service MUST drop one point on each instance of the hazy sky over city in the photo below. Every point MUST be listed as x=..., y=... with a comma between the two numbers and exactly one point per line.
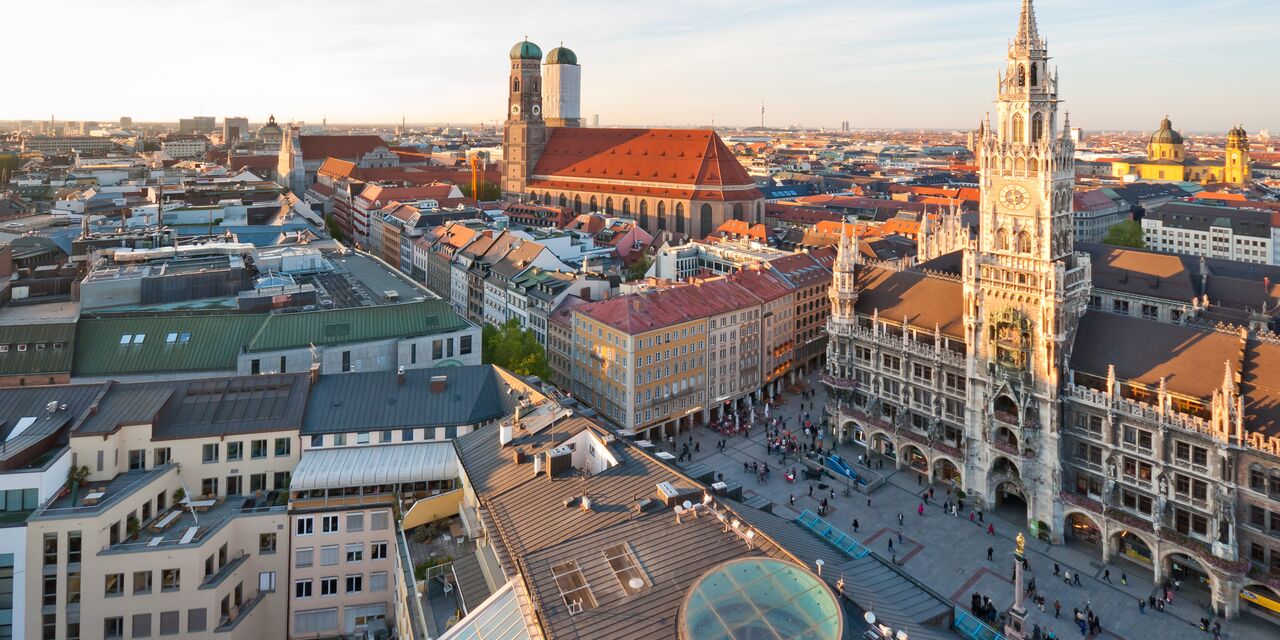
x=875, y=63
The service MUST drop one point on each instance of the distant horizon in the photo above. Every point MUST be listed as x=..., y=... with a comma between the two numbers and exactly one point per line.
x=878, y=64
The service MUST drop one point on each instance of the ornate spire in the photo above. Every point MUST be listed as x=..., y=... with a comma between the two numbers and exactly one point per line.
x=1027, y=34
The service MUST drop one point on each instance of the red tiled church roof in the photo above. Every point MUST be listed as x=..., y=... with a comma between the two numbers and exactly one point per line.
x=574, y=157
x=318, y=147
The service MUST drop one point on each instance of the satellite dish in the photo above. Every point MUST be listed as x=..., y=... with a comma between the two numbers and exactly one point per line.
x=870, y=618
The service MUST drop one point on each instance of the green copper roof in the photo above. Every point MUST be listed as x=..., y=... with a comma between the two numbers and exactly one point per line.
x=36, y=348
x=525, y=50
x=361, y=324
x=562, y=55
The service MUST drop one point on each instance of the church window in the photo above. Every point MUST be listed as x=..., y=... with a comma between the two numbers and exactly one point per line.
x=680, y=217
x=626, y=207
x=577, y=204
x=1034, y=75
x=705, y=215
x=1020, y=164
x=1002, y=240
x=644, y=215
x=1037, y=127
x=737, y=211
x=594, y=205
x=1024, y=242
x=1017, y=127
x=1032, y=167
x=662, y=216
x=1022, y=76
x=608, y=206
x=564, y=202
x=515, y=85
x=546, y=198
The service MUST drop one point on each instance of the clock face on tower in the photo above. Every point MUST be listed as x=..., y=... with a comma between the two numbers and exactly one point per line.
x=1015, y=197
x=535, y=109
x=515, y=109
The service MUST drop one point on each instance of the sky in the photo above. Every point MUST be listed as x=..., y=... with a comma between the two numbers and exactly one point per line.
x=877, y=63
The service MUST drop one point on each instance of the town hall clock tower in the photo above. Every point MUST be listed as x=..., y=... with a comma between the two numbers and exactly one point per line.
x=1024, y=287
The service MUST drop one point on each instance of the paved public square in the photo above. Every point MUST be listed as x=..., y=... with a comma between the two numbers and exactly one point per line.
x=949, y=554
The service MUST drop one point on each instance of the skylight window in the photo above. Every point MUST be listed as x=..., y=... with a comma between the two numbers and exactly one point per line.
x=626, y=568
x=573, y=587
x=171, y=338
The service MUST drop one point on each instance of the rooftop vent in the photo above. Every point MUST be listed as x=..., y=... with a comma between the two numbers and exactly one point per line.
x=439, y=383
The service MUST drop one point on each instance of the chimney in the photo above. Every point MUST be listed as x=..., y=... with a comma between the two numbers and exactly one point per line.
x=400, y=375
x=504, y=437
x=537, y=465
x=315, y=373
x=439, y=383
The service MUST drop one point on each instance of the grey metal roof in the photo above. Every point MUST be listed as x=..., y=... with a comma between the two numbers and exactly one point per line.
x=28, y=428
x=378, y=400
x=202, y=407
x=374, y=465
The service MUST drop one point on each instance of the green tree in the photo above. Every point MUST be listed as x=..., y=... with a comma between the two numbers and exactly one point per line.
x=1125, y=234
x=488, y=191
x=513, y=348
x=638, y=268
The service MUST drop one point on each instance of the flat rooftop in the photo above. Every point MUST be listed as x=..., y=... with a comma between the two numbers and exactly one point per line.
x=359, y=280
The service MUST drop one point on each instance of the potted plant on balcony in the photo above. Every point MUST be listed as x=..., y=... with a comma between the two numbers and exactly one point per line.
x=132, y=525
x=76, y=477
x=178, y=495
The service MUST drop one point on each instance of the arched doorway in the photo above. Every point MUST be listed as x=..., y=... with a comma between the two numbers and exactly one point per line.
x=1192, y=577
x=884, y=444
x=1262, y=601
x=916, y=459
x=1083, y=530
x=946, y=472
x=1005, y=435
x=1131, y=546
x=1011, y=500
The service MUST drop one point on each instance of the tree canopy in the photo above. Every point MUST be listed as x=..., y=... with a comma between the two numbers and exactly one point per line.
x=514, y=349
x=488, y=191
x=1126, y=234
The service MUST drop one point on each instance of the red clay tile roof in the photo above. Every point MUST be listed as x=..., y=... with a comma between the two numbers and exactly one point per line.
x=586, y=223
x=251, y=163
x=375, y=192
x=674, y=156
x=924, y=300
x=318, y=147
x=1092, y=200
x=744, y=228
x=337, y=168
x=644, y=312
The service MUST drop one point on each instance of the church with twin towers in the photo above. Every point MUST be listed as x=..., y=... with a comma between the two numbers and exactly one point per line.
x=1146, y=428
x=685, y=182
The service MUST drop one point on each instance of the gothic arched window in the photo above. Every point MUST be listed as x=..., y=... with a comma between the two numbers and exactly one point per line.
x=644, y=215
x=1037, y=127
x=737, y=211
x=680, y=217
x=577, y=204
x=563, y=201
x=705, y=215
x=1031, y=166
x=1024, y=243
x=626, y=206
x=594, y=206
x=546, y=198
x=1017, y=127
x=1022, y=76
x=608, y=206
x=662, y=216
x=515, y=85
x=1020, y=164
x=1002, y=240
x=1035, y=75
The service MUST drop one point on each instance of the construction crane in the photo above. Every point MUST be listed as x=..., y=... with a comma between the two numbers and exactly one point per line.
x=475, y=181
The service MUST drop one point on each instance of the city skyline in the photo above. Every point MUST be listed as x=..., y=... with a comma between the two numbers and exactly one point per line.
x=878, y=65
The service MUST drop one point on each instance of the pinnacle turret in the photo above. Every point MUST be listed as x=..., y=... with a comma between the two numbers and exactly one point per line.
x=1027, y=33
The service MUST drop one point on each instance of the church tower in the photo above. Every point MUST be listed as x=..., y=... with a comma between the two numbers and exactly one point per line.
x=562, y=88
x=1236, y=164
x=844, y=287
x=1024, y=287
x=525, y=133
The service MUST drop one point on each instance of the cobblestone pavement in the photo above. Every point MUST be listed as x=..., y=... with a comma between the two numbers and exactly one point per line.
x=950, y=553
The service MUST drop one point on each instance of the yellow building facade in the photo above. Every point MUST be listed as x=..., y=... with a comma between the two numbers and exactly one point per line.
x=1167, y=160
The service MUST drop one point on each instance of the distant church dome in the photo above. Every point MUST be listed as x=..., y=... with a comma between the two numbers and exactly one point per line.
x=1166, y=134
x=525, y=50
x=1237, y=133
x=270, y=127
x=562, y=55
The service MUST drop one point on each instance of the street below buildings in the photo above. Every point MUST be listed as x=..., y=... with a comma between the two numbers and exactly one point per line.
x=949, y=553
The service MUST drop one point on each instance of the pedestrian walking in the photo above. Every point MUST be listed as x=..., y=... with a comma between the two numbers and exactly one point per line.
x=990, y=553
x=1142, y=606
x=1066, y=577
x=1124, y=579
x=868, y=501
x=1106, y=575
x=833, y=494
x=1056, y=571
x=980, y=515
x=919, y=480
x=792, y=498
x=1057, y=608
x=930, y=492
x=991, y=529
x=697, y=447
x=855, y=525
x=899, y=519
x=920, y=509
x=899, y=536
x=1076, y=580
x=810, y=491
x=971, y=515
